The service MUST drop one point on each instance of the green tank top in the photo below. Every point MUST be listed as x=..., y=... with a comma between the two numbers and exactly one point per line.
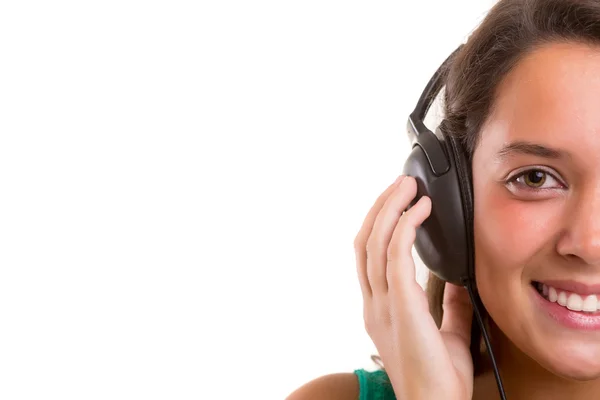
x=374, y=385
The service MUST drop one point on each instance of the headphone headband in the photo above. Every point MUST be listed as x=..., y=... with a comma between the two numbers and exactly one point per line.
x=415, y=120
x=418, y=132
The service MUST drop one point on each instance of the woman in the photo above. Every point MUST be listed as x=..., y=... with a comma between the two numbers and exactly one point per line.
x=523, y=96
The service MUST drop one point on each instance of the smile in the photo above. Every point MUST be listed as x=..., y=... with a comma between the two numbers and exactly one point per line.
x=568, y=309
x=572, y=301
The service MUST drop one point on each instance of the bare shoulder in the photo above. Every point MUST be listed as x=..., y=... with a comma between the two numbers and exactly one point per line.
x=340, y=386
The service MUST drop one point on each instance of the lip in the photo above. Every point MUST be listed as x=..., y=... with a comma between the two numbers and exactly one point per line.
x=577, y=320
x=573, y=287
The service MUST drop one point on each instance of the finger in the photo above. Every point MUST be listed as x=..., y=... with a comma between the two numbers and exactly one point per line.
x=458, y=312
x=360, y=242
x=400, y=266
x=385, y=223
x=387, y=220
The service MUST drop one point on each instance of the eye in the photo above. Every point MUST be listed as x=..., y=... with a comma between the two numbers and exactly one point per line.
x=535, y=179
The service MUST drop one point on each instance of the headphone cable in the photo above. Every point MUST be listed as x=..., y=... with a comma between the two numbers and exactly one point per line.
x=486, y=339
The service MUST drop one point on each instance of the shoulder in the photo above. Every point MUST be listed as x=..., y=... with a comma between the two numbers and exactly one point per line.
x=340, y=386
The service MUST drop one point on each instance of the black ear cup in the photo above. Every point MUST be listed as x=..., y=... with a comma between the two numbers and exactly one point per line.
x=444, y=240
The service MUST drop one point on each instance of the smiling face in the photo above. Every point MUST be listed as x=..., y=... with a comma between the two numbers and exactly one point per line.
x=536, y=181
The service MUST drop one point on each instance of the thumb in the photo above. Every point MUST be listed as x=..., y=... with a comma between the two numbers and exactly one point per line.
x=458, y=312
x=456, y=331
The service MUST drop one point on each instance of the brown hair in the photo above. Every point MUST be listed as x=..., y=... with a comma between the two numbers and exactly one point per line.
x=510, y=30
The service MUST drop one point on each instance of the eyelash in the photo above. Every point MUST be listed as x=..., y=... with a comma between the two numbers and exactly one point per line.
x=512, y=181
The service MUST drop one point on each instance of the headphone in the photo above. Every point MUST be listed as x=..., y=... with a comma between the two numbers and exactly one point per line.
x=442, y=170
x=443, y=173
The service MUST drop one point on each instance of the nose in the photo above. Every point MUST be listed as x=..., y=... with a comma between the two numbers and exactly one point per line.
x=581, y=238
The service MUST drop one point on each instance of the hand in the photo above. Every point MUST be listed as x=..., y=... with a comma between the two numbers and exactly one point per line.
x=421, y=361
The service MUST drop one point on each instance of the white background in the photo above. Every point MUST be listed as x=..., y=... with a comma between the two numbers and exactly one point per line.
x=181, y=184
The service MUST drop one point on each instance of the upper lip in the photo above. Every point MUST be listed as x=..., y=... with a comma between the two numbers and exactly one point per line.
x=573, y=286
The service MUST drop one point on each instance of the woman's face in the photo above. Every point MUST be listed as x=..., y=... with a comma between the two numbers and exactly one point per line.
x=536, y=178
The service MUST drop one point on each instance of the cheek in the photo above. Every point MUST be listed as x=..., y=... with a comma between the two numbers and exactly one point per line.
x=510, y=231
x=510, y=234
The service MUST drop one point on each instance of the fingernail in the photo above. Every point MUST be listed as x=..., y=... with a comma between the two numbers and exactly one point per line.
x=399, y=179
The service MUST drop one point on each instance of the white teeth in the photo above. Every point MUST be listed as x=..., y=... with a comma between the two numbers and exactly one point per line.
x=562, y=299
x=574, y=302
x=590, y=303
x=552, y=295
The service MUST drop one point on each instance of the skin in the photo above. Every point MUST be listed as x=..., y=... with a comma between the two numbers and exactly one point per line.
x=523, y=233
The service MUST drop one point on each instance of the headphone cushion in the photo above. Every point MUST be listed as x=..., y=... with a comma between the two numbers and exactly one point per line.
x=464, y=175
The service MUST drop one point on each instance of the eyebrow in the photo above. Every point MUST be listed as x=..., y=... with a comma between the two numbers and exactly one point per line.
x=534, y=149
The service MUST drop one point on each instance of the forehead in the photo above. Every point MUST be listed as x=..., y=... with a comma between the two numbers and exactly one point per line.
x=551, y=97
